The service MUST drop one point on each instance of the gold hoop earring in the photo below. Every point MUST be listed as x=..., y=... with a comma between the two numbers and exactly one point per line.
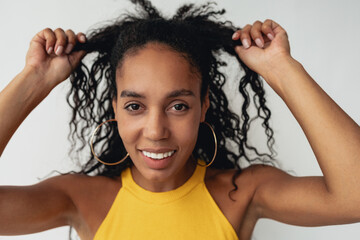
x=215, y=151
x=92, y=147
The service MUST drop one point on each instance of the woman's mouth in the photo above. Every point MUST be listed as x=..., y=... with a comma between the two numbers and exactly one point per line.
x=158, y=160
x=158, y=156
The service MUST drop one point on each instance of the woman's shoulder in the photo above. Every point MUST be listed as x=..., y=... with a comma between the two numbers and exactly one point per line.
x=247, y=180
x=91, y=195
x=234, y=193
x=229, y=182
x=74, y=181
x=80, y=187
x=85, y=191
x=246, y=172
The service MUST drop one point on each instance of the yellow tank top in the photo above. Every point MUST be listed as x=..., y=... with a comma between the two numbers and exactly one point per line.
x=187, y=212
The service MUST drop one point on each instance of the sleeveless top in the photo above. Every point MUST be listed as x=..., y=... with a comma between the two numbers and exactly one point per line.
x=187, y=212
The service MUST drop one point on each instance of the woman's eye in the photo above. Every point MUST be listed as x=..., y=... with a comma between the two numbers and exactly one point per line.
x=132, y=107
x=180, y=107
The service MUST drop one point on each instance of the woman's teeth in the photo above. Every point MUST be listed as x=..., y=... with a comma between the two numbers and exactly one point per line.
x=158, y=155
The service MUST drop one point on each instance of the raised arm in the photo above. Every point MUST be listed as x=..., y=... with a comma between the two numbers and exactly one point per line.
x=47, y=64
x=49, y=61
x=334, y=138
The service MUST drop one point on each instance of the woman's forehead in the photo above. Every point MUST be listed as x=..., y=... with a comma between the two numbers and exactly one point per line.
x=158, y=69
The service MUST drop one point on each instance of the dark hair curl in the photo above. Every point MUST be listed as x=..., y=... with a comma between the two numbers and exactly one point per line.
x=196, y=33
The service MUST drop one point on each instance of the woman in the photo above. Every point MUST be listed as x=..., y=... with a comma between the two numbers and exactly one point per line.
x=159, y=98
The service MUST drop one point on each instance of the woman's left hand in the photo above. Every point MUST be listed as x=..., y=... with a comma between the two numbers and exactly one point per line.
x=333, y=136
x=264, y=47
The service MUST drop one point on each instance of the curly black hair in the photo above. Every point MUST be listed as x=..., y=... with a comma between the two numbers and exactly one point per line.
x=196, y=33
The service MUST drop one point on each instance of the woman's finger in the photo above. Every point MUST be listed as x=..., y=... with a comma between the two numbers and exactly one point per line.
x=256, y=34
x=71, y=41
x=259, y=32
x=81, y=37
x=61, y=41
x=47, y=37
x=267, y=29
x=244, y=36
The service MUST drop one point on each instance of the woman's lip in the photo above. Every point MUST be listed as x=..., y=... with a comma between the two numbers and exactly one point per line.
x=157, y=163
x=157, y=150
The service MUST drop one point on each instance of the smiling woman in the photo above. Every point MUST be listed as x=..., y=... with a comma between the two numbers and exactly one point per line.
x=158, y=111
x=153, y=53
x=167, y=149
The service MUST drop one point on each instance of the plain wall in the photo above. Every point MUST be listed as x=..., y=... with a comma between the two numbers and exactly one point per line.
x=324, y=37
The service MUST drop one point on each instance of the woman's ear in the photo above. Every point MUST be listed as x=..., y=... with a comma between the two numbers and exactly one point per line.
x=205, y=105
x=114, y=105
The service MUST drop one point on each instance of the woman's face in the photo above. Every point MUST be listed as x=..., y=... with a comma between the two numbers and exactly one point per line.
x=158, y=110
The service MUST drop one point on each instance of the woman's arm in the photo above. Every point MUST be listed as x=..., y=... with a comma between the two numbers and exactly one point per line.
x=47, y=64
x=332, y=134
x=49, y=61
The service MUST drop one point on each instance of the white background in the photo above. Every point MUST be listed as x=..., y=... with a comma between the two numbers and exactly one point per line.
x=324, y=37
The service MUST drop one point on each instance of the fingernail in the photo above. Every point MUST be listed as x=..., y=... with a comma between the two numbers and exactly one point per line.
x=235, y=35
x=259, y=43
x=59, y=50
x=68, y=48
x=270, y=36
x=245, y=43
x=82, y=38
x=49, y=51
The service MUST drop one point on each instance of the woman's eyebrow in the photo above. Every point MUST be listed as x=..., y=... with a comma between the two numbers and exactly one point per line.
x=181, y=92
x=173, y=94
x=128, y=93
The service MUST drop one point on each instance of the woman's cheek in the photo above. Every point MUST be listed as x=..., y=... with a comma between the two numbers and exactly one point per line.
x=188, y=133
x=128, y=130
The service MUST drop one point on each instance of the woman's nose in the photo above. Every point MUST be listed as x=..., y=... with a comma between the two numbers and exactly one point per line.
x=156, y=126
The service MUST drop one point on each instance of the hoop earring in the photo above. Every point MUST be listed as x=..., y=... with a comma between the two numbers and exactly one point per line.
x=215, y=142
x=92, y=147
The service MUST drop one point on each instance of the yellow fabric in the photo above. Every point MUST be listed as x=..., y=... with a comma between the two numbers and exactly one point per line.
x=188, y=212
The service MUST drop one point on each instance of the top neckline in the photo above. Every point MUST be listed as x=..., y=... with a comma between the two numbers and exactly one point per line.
x=129, y=184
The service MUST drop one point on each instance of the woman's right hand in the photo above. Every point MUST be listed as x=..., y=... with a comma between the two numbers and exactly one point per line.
x=50, y=54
